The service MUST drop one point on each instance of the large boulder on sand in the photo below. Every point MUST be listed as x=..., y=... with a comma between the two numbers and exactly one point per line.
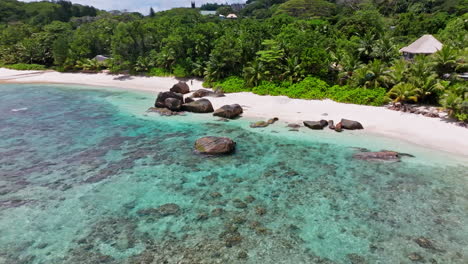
x=204, y=92
x=181, y=87
x=199, y=106
x=215, y=145
x=173, y=104
x=350, y=124
x=384, y=155
x=160, y=100
x=316, y=124
x=229, y=111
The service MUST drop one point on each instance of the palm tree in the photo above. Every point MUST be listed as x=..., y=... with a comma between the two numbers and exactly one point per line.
x=445, y=60
x=376, y=75
x=384, y=49
x=398, y=71
x=404, y=92
x=451, y=101
x=254, y=73
x=292, y=70
x=366, y=46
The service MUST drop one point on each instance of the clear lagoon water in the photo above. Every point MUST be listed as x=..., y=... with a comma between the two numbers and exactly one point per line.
x=87, y=176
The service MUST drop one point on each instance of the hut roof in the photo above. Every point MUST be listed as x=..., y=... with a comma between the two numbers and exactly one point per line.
x=231, y=16
x=426, y=44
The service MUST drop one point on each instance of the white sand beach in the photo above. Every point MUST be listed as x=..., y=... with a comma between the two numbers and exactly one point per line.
x=434, y=133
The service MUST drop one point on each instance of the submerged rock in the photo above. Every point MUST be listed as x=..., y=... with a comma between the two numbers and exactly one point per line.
x=199, y=106
x=259, y=124
x=351, y=124
x=160, y=100
x=378, y=156
x=163, y=210
x=229, y=111
x=415, y=257
x=316, y=124
x=181, y=87
x=264, y=123
x=164, y=111
x=424, y=243
x=215, y=145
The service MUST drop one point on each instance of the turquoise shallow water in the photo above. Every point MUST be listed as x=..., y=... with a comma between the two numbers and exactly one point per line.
x=83, y=173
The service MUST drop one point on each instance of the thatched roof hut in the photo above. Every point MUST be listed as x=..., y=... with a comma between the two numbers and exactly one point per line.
x=426, y=44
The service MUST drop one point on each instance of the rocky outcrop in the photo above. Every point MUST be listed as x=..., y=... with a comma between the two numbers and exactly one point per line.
x=189, y=100
x=351, y=124
x=338, y=127
x=272, y=120
x=199, y=106
x=264, y=123
x=160, y=100
x=164, y=111
x=204, y=93
x=384, y=155
x=215, y=145
x=229, y=111
x=181, y=87
x=331, y=125
x=316, y=124
x=173, y=104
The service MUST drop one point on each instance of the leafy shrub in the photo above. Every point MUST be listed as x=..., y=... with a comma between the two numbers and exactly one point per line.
x=25, y=67
x=179, y=71
x=232, y=84
x=159, y=72
x=346, y=94
x=309, y=88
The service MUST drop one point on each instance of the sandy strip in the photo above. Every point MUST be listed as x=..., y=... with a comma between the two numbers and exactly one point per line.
x=433, y=133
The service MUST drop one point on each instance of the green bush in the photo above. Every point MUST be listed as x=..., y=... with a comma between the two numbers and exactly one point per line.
x=179, y=71
x=346, y=94
x=231, y=85
x=25, y=67
x=159, y=72
x=309, y=88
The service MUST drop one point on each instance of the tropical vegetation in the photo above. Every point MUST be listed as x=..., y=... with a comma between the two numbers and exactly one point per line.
x=342, y=50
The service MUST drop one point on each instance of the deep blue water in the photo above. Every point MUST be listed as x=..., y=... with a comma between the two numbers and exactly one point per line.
x=83, y=173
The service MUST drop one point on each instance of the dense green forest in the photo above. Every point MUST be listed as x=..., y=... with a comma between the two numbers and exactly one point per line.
x=346, y=50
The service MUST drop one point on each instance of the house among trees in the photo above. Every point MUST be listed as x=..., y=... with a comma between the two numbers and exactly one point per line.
x=426, y=45
x=231, y=16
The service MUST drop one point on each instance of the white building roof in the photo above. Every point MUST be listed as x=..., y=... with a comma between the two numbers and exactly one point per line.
x=231, y=16
x=426, y=44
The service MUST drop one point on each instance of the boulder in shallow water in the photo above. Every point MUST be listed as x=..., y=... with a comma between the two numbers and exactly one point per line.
x=181, y=87
x=215, y=145
x=378, y=156
x=160, y=100
x=316, y=124
x=229, y=111
x=331, y=125
x=351, y=124
x=339, y=127
x=199, y=106
x=173, y=104
x=259, y=124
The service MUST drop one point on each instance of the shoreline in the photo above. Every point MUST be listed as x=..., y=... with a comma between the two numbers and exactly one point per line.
x=432, y=133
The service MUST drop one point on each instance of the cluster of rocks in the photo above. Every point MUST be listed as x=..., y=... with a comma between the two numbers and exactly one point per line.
x=343, y=124
x=416, y=109
x=173, y=102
